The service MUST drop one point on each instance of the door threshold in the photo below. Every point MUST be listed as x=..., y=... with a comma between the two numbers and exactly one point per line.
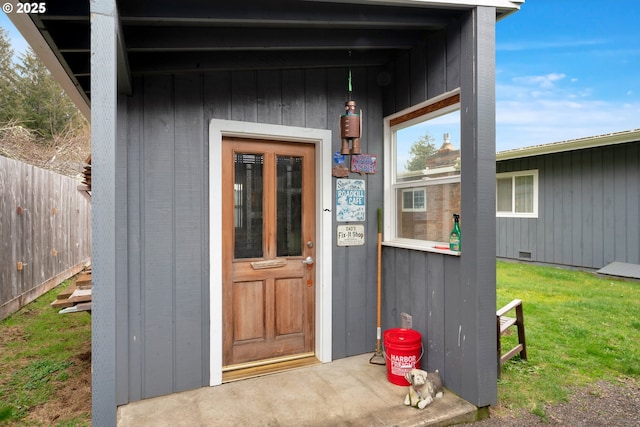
x=244, y=371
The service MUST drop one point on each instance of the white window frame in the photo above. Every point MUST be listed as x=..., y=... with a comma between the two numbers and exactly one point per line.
x=513, y=175
x=391, y=186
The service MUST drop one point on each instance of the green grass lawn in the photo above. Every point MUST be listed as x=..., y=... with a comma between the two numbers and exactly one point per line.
x=579, y=329
x=45, y=366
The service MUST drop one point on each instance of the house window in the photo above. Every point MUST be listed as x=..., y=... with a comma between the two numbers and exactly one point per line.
x=422, y=176
x=413, y=200
x=517, y=194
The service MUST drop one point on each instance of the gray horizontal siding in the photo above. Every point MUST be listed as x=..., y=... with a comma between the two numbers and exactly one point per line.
x=588, y=206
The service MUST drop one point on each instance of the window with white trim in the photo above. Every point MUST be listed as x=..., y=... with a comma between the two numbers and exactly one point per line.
x=413, y=200
x=517, y=194
x=422, y=175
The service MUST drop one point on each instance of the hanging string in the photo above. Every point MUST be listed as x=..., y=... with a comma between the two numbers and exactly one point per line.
x=349, y=79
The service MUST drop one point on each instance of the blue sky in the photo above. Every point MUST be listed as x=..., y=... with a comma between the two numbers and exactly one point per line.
x=19, y=44
x=565, y=69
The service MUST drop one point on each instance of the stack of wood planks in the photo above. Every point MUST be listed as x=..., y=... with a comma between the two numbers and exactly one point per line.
x=77, y=297
x=85, y=188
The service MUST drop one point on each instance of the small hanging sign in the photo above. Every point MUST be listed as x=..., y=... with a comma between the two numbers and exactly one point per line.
x=350, y=200
x=364, y=163
x=350, y=235
x=339, y=169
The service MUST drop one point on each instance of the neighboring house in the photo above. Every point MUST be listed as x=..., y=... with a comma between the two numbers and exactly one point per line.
x=214, y=133
x=574, y=203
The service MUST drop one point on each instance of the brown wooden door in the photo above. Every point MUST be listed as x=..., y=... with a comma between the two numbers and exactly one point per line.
x=268, y=231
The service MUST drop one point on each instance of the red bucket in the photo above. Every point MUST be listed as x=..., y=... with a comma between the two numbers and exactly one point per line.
x=403, y=351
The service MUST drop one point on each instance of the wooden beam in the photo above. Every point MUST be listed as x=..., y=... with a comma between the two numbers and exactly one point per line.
x=285, y=13
x=163, y=38
x=175, y=62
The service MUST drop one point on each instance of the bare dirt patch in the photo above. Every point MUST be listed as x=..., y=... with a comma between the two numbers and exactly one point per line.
x=72, y=397
x=612, y=404
x=70, y=403
x=11, y=334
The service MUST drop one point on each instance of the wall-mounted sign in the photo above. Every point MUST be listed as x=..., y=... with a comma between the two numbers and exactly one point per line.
x=364, y=163
x=339, y=169
x=350, y=235
x=350, y=200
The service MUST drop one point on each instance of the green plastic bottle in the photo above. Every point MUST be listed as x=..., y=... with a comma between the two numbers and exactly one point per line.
x=455, y=238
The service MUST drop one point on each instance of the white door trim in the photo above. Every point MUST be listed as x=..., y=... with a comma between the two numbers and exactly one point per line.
x=322, y=139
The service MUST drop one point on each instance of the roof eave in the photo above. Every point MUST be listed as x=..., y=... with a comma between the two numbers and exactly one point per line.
x=504, y=8
x=41, y=48
x=570, y=145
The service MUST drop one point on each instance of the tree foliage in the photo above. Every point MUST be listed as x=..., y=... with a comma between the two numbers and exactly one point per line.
x=30, y=96
x=8, y=79
x=419, y=152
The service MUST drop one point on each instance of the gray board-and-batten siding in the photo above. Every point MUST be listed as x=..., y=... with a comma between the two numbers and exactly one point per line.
x=162, y=239
x=588, y=208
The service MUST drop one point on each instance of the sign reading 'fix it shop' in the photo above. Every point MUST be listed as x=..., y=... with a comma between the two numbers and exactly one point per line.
x=350, y=235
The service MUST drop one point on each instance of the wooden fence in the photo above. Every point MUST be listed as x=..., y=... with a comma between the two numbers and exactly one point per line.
x=45, y=232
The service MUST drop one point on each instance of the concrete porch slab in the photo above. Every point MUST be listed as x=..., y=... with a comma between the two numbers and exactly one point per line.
x=346, y=392
x=621, y=269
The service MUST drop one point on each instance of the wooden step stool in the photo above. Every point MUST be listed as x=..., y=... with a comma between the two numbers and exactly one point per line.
x=503, y=324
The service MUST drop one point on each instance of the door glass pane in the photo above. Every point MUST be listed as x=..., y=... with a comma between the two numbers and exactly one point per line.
x=248, y=212
x=289, y=205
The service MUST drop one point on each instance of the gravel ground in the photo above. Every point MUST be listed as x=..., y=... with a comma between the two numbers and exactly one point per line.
x=610, y=404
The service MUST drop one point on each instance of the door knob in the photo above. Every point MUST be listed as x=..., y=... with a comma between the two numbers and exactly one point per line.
x=308, y=260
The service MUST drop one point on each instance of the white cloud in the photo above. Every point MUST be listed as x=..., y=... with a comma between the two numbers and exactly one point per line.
x=543, y=45
x=526, y=123
x=540, y=109
x=544, y=81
